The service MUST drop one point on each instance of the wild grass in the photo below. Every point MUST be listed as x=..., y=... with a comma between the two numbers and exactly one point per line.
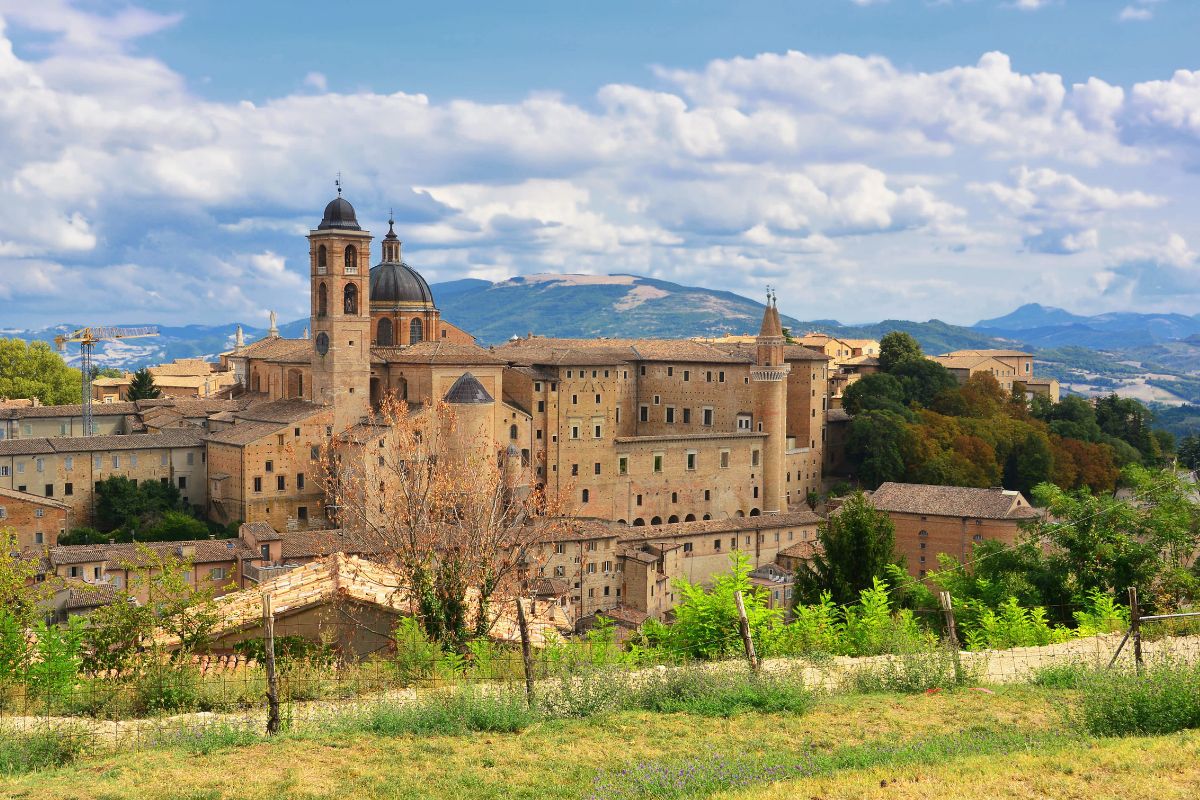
x=40, y=750
x=1163, y=698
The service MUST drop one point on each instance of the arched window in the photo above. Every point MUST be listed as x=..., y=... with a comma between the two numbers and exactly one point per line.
x=351, y=260
x=656, y=521
x=754, y=512
x=415, y=331
x=707, y=516
x=740, y=513
x=322, y=260
x=512, y=431
x=690, y=518
x=351, y=297
x=673, y=519
x=322, y=300
x=384, y=335
x=622, y=522
x=639, y=522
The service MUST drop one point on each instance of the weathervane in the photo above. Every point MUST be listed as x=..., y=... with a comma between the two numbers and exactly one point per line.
x=338, y=183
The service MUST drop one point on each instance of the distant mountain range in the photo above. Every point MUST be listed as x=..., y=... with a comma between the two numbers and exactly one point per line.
x=1153, y=356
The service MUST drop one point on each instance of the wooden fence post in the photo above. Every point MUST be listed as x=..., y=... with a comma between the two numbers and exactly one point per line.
x=526, y=652
x=744, y=627
x=1135, y=627
x=268, y=611
x=952, y=634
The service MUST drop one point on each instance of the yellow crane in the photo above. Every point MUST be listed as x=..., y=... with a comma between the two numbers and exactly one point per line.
x=87, y=338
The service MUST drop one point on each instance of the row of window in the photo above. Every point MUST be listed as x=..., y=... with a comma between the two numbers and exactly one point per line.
x=350, y=254
x=280, y=480
x=39, y=464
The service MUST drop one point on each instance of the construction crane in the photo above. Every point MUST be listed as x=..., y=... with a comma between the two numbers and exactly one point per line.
x=87, y=338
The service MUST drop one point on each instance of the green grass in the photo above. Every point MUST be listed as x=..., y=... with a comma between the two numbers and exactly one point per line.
x=1164, y=698
x=41, y=750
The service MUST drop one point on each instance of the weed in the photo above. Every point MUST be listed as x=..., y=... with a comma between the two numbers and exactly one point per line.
x=43, y=749
x=1163, y=699
x=449, y=714
x=719, y=694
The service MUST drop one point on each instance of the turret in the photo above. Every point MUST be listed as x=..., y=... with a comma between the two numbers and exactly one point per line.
x=770, y=400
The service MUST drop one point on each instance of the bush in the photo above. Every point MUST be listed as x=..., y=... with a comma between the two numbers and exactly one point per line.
x=1062, y=676
x=166, y=688
x=720, y=694
x=1163, y=699
x=451, y=714
x=909, y=673
x=42, y=750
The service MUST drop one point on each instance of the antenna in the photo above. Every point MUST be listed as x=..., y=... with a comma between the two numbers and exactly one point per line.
x=338, y=183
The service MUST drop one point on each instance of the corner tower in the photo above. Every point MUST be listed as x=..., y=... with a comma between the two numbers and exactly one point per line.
x=770, y=399
x=340, y=256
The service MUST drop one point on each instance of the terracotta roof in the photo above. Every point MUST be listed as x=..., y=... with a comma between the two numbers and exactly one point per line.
x=129, y=555
x=280, y=411
x=625, y=616
x=312, y=544
x=243, y=433
x=75, y=410
x=579, y=529
x=437, y=352
x=747, y=352
x=261, y=531
x=951, y=501
x=275, y=348
x=990, y=353
x=172, y=437
x=344, y=577
x=26, y=497
x=705, y=526
x=184, y=366
x=605, y=352
x=803, y=550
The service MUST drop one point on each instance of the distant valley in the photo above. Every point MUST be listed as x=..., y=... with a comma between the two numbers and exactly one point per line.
x=1153, y=357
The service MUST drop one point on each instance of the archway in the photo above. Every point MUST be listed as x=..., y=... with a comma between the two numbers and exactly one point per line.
x=639, y=522
x=690, y=518
x=383, y=332
x=656, y=521
x=350, y=296
x=351, y=260
x=672, y=519
x=754, y=512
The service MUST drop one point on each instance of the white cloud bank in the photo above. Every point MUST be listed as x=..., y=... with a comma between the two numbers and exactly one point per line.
x=860, y=189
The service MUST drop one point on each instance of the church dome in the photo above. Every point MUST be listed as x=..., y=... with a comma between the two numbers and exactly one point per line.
x=467, y=390
x=339, y=214
x=397, y=282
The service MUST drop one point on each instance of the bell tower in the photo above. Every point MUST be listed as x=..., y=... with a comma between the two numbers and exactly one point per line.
x=770, y=399
x=340, y=256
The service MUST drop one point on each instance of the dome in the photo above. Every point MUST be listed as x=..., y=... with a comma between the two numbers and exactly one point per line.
x=339, y=214
x=467, y=390
x=397, y=282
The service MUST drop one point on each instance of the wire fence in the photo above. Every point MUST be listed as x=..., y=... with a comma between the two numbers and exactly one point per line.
x=330, y=669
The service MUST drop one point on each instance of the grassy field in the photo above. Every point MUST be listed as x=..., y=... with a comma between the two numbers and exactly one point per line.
x=1014, y=743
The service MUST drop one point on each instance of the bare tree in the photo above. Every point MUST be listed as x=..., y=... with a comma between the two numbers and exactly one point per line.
x=426, y=491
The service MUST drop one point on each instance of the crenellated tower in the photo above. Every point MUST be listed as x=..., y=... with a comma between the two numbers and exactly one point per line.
x=340, y=255
x=770, y=399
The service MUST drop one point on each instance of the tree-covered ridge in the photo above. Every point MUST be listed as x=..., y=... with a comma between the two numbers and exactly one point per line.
x=914, y=423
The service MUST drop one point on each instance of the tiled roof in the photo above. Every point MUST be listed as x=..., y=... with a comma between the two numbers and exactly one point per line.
x=343, y=577
x=951, y=501
x=261, y=531
x=75, y=410
x=437, y=352
x=243, y=433
x=313, y=544
x=731, y=524
x=990, y=353
x=129, y=555
x=837, y=415
x=172, y=437
x=803, y=550
x=26, y=497
x=275, y=348
x=683, y=437
x=625, y=616
x=281, y=411
x=578, y=529
x=747, y=353
x=604, y=352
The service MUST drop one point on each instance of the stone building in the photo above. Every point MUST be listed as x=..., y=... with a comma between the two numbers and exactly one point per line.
x=67, y=469
x=1006, y=366
x=931, y=520
x=36, y=521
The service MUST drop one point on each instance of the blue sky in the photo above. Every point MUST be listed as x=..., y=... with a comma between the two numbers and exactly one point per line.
x=872, y=159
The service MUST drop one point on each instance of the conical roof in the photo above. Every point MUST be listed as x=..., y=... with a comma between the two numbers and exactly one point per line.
x=467, y=390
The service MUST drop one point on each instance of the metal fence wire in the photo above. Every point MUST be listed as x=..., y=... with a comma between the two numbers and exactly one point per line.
x=298, y=672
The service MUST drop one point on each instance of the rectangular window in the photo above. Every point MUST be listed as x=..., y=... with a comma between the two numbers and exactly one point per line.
x=657, y=400
x=597, y=399
x=596, y=432
x=537, y=386
x=584, y=496
x=658, y=461
x=191, y=458
x=560, y=547
x=574, y=469
x=39, y=464
x=162, y=460
x=591, y=570
x=280, y=482
x=38, y=538
x=270, y=466
x=670, y=371
x=574, y=431
x=258, y=484
x=182, y=482
x=670, y=414
x=618, y=415
x=541, y=406
x=622, y=465
x=133, y=459
x=216, y=574
x=687, y=547
x=69, y=489
x=707, y=419
x=116, y=462
x=687, y=374
x=69, y=462
x=720, y=377
x=687, y=416
x=597, y=468
x=560, y=572
x=49, y=493
x=644, y=412
x=4, y=471
x=97, y=462
x=754, y=458
x=724, y=459
x=591, y=547
x=574, y=399
x=691, y=459
x=642, y=370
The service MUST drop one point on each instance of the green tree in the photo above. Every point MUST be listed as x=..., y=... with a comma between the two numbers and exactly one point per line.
x=1029, y=462
x=126, y=504
x=706, y=621
x=33, y=370
x=175, y=526
x=897, y=347
x=922, y=380
x=857, y=547
x=142, y=386
x=873, y=393
x=875, y=446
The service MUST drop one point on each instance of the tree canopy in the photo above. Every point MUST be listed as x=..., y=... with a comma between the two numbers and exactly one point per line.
x=857, y=544
x=33, y=370
x=897, y=347
x=142, y=386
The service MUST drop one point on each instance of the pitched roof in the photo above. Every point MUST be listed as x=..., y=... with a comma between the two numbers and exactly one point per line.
x=243, y=433
x=990, y=353
x=343, y=577
x=281, y=411
x=437, y=352
x=172, y=437
x=951, y=501
x=129, y=554
x=276, y=348
x=13, y=494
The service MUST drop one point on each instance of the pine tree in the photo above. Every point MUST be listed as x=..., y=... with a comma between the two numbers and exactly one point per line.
x=142, y=387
